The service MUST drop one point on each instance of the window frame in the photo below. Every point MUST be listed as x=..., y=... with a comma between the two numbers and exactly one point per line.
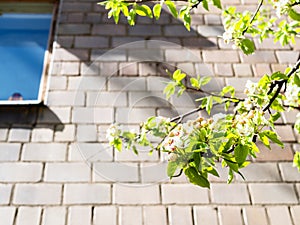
x=45, y=74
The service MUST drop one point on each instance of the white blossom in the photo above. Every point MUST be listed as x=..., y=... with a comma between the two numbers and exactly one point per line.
x=291, y=94
x=172, y=157
x=216, y=118
x=112, y=132
x=251, y=87
x=281, y=7
x=248, y=104
x=178, y=138
x=227, y=36
x=189, y=126
x=161, y=119
x=244, y=126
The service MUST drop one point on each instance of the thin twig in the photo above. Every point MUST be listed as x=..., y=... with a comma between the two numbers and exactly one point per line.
x=196, y=5
x=294, y=69
x=214, y=95
x=254, y=15
x=181, y=117
x=293, y=107
x=280, y=85
x=295, y=3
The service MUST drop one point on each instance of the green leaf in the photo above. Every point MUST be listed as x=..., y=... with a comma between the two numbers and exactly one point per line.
x=205, y=4
x=213, y=171
x=264, y=81
x=230, y=161
x=275, y=116
x=254, y=148
x=241, y=153
x=296, y=161
x=169, y=89
x=128, y=135
x=227, y=105
x=183, y=11
x=195, y=83
x=244, y=164
x=273, y=137
x=115, y=14
x=230, y=176
x=187, y=21
x=171, y=168
x=171, y=6
x=178, y=76
x=209, y=104
x=277, y=105
x=117, y=143
x=103, y=3
x=218, y=99
x=247, y=46
x=297, y=123
x=196, y=178
x=157, y=11
x=202, y=134
x=131, y=17
x=181, y=90
x=197, y=161
x=264, y=140
x=151, y=122
x=294, y=15
x=204, y=80
x=204, y=102
x=297, y=80
x=217, y=3
x=279, y=76
x=125, y=10
x=143, y=10
x=134, y=149
x=228, y=89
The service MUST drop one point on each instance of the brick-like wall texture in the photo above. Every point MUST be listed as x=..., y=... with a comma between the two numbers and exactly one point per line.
x=56, y=167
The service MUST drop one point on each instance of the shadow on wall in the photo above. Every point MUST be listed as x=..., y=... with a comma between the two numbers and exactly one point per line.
x=95, y=31
x=25, y=116
x=147, y=49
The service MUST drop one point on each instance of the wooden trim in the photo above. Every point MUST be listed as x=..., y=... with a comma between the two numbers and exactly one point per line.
x=31, y=1
x=26, y=7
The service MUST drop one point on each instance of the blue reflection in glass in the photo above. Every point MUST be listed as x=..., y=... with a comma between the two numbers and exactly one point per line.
x=23, y=41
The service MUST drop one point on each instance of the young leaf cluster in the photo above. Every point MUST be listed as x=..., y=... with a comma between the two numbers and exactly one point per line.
x=195, y=146
x=241, y=26
x=132, y=8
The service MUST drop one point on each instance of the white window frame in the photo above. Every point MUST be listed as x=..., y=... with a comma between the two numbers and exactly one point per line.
x=35, y=6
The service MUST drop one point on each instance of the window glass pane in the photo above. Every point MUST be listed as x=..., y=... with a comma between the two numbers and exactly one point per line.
x=23, y=42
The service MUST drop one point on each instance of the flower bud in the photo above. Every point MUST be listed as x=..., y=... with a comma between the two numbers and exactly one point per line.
x=200, y=119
